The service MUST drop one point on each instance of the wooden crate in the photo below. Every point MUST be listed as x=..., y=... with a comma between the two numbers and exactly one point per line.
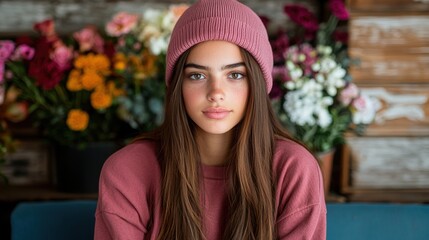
x=390, y=48
x=391, y=5
x=404, y=109
x=386, y=169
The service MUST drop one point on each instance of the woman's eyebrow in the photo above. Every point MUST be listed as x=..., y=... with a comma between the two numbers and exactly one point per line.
x=234, y=65
x=193, y=65
x=229, y=66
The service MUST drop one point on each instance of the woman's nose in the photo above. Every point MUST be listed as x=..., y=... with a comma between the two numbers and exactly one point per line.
x=215, y=91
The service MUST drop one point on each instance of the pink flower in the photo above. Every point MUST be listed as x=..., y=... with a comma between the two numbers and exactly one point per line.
x=302, y=16
x=23, y=51
x=338, y=9
x=89, y=39
x=62, y=56
x=122, y=23
x=6, y=49
x=364, y=110
x=279, y=72
x=1, y=72
x=350, y=92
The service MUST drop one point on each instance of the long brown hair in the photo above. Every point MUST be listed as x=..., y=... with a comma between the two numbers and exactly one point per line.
x=251, y=183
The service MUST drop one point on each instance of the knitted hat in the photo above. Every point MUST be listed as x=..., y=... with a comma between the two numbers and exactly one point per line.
x=227, y=20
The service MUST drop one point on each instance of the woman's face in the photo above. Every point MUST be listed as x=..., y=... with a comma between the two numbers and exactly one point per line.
x=215, y=86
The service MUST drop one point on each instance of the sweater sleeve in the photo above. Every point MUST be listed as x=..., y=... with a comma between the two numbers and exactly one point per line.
x=301, y=207
x=127, y=192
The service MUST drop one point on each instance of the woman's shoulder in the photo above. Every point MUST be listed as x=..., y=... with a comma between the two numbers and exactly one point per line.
x=289, y=154
x=136, y=157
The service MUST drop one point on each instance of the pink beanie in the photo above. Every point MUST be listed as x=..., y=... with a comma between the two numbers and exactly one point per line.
x=227, y=20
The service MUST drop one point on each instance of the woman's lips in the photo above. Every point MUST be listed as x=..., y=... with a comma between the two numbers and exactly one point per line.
x=216, y=113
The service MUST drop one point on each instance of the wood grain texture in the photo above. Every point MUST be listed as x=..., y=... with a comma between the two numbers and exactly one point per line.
x=404, y=109
x=388, y=5
x=388, y=162
x=18, y=16
x=390, y=49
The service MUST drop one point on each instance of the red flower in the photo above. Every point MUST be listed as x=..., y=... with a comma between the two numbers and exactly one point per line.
x=46, y=29
x=46, y=72
x=338, y=9
x=280, y=45
x=341, y=36
x=302, y=16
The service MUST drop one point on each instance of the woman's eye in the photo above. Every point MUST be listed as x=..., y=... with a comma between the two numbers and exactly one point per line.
x=236, y=75
x=196, y=76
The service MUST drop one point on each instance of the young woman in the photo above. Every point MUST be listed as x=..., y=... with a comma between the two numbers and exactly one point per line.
x=220, y=166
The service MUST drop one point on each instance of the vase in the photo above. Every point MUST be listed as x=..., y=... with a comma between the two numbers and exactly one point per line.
x=325, y=160
x=78, y=170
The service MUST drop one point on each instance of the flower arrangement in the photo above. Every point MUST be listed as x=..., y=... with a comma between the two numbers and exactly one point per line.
x=313, y=93
x=67, y=83
x=90, y=87
x=141, y=44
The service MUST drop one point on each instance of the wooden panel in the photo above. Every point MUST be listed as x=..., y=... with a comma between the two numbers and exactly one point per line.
x=18, y=16
x=390, y=49
x=383, y=68
x=386, y=169
x=404, y=110
x=391, y=32
x=391, y=5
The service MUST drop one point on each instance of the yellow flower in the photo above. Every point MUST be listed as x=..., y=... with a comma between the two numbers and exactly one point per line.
x=74, y=82
x=101, y=99
x=120, y=65
x=91, y=79
x=77, y=120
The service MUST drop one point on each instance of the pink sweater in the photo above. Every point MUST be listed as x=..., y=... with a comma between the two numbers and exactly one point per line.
x=129, y=196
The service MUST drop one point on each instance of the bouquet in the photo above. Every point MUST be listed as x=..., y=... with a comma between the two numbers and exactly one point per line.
x=313, y=93
x=141, y=43
x=68, y=84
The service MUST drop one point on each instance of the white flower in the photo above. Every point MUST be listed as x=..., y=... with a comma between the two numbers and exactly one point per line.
x=307, y=106
x=158, y=45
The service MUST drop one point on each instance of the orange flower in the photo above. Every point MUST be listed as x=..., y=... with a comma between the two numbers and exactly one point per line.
x=96, y=62
x=91, y=79
x=77, y=120
x=101, y=63
x=119, y=61
x=74, y=82
x=101, y=99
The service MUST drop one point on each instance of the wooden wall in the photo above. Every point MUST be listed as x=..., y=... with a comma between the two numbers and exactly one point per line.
x=18, y=16
x=390, y=41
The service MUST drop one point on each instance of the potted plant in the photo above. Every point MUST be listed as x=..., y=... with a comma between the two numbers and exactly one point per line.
x=313, y=93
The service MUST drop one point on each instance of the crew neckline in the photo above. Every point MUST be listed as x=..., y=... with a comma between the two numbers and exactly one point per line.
x=214, y=172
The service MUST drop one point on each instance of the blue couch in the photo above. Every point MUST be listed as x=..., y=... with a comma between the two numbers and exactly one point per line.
x=73, y=220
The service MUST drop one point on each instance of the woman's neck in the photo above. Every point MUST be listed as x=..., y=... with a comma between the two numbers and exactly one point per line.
x=214, y=148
